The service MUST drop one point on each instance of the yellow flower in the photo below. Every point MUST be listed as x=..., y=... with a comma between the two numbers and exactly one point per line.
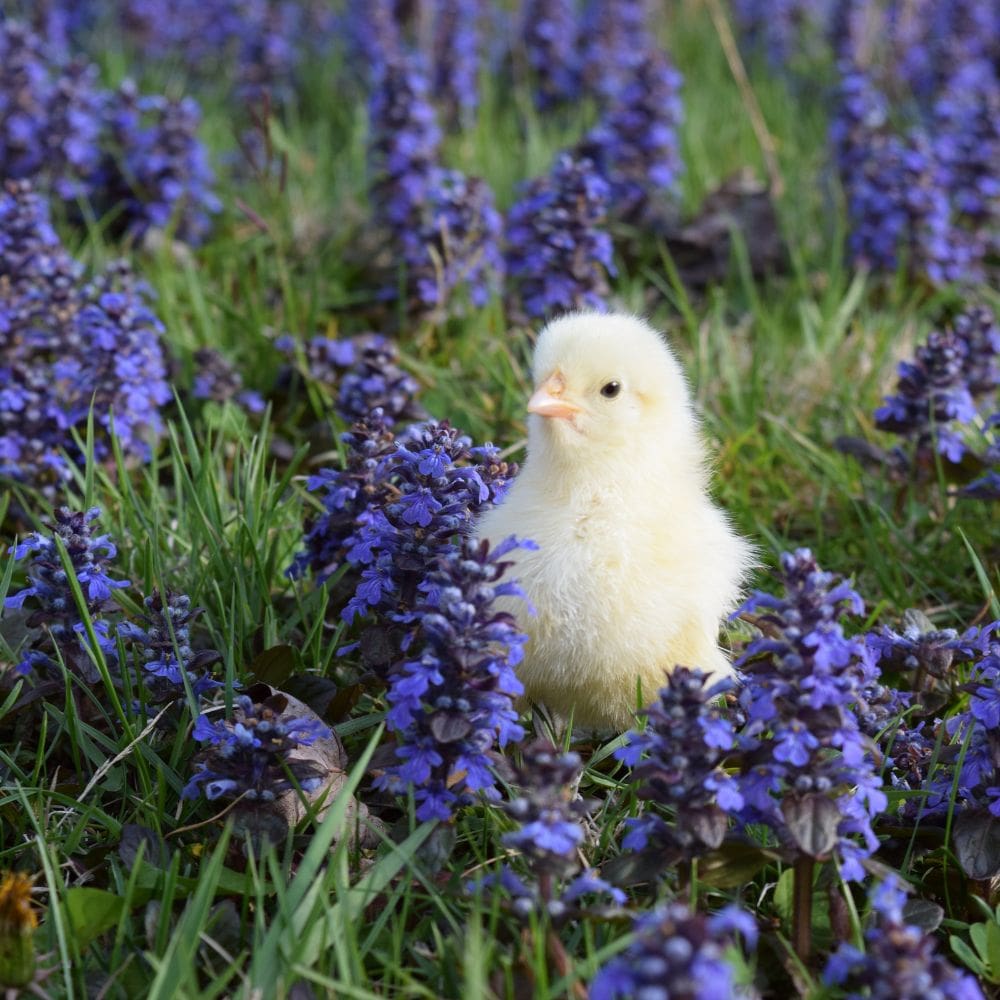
x=18, y=921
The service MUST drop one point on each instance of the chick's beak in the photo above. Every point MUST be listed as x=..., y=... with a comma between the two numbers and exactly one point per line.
x=547, y=399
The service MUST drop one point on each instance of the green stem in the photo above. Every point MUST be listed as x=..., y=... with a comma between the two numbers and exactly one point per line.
x=802, y=888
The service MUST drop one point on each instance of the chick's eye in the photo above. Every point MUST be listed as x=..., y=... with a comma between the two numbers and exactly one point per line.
x=611, y=389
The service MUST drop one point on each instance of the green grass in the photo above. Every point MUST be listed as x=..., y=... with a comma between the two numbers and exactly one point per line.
x=780, y=368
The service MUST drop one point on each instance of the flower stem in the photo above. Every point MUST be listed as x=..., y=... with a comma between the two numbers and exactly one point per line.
x=802, y=887
x=545, y=886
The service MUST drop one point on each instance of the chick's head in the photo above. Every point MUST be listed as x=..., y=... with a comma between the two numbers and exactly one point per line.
x=605, y=384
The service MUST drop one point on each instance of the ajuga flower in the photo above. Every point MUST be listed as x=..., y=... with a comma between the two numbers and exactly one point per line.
x=403, y=143
x=247, y=757
x=456, y=249
x=922, y=658
x=256, y=46
x=49, y=113
x=134, y=157
x=677, y=953
x=807, y=770
x=899, y=960
x=548, y=37
x=156, y=173
x=363, y=374
x=442, y=226
x=921, y=649
x=69, y=348
x=978, y=330
x=456, y=57
x=373, y=380
x=347, y=494
x=550, y=833
x=54, y=608
x=615, y=36
x=935, y=392
x=676, y=761
x=931, y=393
x=216, y=379
x=558, y=253
x=966, y=122
x=398, y=502
x=24, y=107
x=452, y=699
x=73, y=132
x=987, y=486
x=120, y=362
x=971, y=765
x=781, y=31
x=373, y=36
x=437, y=482
x=635, y=146
x=896, y=191
x=162, y=642
x=548, y=810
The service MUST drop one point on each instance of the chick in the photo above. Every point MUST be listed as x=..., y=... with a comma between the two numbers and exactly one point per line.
x=635, y=565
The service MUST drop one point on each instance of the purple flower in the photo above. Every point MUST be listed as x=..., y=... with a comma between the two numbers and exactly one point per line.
x=134, y=158
x=456, y=58
x=162, y=649
x=52, y=602
x=389, y=519
x=347, y=495
x=676, y=953
x=924, y=658
x=548, y=40
x=978, y=330
x=987, y=486
x=917, y=136
x=635, y=146
x=216, y=379
x=68, y=349
x=549, y=814
x=455, y=249
x=373, y=36
x=443, y=226
x=403, y=143
x=49, y=112
x=966, y=121
x=248, y=756
x=362, y=373
x=802, y=741
x=156, y=173
x=677, y=761
x=614, y=38
x=919, y=646
x=558, y=254
x=934, y=394
x=452, y=699
x=896, y=189
x=253, y=46
x=899, y=959
x=784, y=30
x=975, y=736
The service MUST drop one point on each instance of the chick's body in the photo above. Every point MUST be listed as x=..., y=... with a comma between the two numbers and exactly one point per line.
x=635, y=565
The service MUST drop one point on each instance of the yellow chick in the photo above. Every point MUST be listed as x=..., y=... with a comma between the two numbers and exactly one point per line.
x=635, y=566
